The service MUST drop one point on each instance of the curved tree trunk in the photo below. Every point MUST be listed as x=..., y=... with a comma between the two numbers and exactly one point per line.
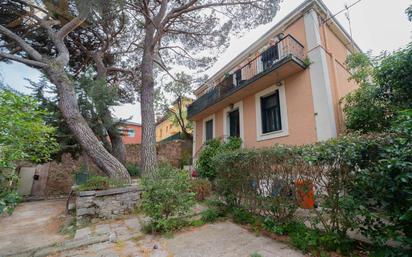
x=148, y=150
x=82, y=132
x=118, y=148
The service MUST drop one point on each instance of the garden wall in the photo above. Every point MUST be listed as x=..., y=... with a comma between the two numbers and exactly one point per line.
x=60, y=176
x=92, y=206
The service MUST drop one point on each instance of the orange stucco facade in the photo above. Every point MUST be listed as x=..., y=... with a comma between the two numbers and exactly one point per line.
x=328, y=47
x=131, y=133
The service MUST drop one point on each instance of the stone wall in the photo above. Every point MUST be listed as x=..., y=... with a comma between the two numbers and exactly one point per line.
x=92, y=206
x=61, y=173
x=172, y=151
x=176, y=152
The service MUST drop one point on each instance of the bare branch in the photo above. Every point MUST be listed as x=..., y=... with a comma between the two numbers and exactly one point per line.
x=69, y=27
x=26, y=47
x=23, y=60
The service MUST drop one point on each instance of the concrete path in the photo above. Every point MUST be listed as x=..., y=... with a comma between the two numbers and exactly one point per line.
x=32, y=230
x=223, y=239
x=32, y=225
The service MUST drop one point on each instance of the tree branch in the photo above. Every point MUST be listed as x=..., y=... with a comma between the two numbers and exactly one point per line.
x=69, y=27
x=23, y=60
x=26, y=47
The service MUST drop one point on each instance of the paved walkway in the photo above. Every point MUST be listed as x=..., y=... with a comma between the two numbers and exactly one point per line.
x=223, y=239
x=33, y=231
x=32, y=225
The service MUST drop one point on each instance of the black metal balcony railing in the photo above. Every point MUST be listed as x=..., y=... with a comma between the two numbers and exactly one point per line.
x=286, y=48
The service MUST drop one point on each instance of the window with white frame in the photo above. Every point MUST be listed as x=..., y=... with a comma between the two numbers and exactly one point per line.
x=271, y=113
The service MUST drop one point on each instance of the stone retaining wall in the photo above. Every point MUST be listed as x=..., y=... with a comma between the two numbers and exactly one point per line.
x=92, y=206
x=60, y=176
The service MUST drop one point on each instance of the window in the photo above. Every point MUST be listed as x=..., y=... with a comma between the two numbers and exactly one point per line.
x=131, y=133
x=209, y=129
x=238, y=76
x=270, y=56
x=233, y=121
x=234, y=124
x=270, y=111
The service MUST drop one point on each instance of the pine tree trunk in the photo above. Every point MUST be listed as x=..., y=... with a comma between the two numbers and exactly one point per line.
x=82, y=132
x=148, y=150
x=118, y=148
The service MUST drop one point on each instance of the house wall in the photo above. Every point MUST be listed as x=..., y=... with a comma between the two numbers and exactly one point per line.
x=166, y=128
x=312, y=96
x=301, y=123
x=337, y=52
x=136, y=139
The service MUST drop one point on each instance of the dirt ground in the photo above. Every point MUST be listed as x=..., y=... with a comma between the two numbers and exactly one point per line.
x=32, y=225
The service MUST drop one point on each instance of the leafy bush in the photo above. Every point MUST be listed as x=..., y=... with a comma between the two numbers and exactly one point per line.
x=382, y=190
x=314, y=240
x=385, y=89
x=99, y=183
x=259, y=180
x=133, y=170
x=242, y=216
x=167, y=198
x=201, y=187
x=23, y=136
x=360, y=181
x=205, y=165
x=210, y=215
x=273, y=226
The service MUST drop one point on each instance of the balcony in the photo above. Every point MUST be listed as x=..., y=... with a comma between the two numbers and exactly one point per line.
x=274, y=64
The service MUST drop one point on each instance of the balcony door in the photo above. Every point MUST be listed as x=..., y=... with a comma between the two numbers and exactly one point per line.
x=234, y=123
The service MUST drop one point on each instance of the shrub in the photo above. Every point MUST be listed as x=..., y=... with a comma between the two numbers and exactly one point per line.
x=210, y=215
x=242, y=216
x=259, y=181
x=205, y=165
x=133, y=170
x=382, y=190
x=99, y=183
x=201, y=187
x=167, y=198
x=24, y=136
x=385, y=89
x=273, y=226
x=360, y=181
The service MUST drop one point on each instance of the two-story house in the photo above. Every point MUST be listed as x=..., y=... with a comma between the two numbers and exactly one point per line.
x=284, y=88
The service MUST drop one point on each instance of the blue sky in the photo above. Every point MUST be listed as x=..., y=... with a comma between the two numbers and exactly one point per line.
x=376, y=26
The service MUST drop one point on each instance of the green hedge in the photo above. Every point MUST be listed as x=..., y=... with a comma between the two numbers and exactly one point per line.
x=360, y=181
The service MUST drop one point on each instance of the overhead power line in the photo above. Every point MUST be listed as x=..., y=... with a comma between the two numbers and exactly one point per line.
x=344, y=9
